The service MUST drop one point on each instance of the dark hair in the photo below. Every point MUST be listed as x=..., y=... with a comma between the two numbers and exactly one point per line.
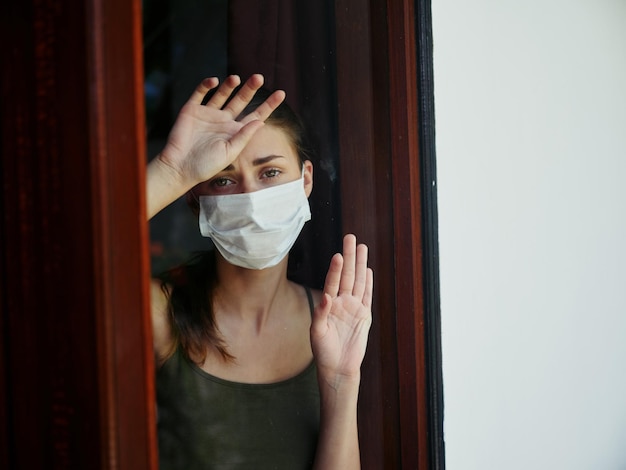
x=189, y=287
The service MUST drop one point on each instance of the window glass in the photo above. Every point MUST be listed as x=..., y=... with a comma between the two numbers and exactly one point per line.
x=184, y=41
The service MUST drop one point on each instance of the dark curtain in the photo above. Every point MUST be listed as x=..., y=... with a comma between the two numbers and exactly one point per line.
x=292, y=44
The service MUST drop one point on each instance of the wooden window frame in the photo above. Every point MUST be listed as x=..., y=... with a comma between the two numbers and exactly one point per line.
x=76, y=378
x=384, y=51
x=76, y=360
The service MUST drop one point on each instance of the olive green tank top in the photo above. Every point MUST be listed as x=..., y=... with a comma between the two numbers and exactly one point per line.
x=205, y=422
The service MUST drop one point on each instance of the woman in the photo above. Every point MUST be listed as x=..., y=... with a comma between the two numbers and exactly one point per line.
x=255, y=371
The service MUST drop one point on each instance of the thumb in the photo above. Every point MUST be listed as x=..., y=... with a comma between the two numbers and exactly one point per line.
x=320, y=316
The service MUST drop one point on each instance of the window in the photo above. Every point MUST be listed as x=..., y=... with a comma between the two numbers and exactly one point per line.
x=78, y=257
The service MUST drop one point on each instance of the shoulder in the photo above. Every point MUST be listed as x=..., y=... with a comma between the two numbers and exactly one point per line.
x=317, y=296
x=308, y=296
x=177, y=291
x=162, y=337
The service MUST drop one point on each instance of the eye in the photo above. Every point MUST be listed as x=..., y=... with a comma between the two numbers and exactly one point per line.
x=271, y=173
x=221, y=181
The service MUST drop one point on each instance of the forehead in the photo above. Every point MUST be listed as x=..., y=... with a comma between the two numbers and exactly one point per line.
x=269, y=140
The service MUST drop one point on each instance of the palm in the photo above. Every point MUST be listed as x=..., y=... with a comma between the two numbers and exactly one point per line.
x=199, y=142
x=341, y=345
x=207, y=138
x=342, y=320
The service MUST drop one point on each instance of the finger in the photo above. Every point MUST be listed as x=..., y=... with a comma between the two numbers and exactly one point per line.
x=222, y=94
x=360, y=275
x=369, y=288
x=201, y=90
x=331, y=285
x=319, y=326
x=245, y=94
x=349, y=258
x=263, y=111
x=238, y=141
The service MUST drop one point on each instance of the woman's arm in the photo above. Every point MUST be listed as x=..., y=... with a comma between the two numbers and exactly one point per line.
x=205, y=139
x=339, y=335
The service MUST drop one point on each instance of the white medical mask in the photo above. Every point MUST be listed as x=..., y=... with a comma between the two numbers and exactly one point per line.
x=255, y=230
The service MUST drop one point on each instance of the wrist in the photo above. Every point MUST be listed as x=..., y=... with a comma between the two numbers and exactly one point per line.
x=166, y=170
x=338, y=382
x=339, y=398
x=164, y=184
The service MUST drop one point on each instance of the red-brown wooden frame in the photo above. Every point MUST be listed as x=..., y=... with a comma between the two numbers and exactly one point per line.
x=76, y=371
x=380, y=193
x=76, y=361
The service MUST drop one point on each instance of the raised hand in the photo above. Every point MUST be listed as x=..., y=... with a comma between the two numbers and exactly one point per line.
x=342, y=320
x=206, y=138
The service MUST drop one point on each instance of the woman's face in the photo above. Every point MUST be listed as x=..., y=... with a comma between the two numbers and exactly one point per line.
x=269, y=159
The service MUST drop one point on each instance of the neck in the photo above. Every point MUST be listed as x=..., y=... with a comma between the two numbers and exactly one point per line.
x=249, y=295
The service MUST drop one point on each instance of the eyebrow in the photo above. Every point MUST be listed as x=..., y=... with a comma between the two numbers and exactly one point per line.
x=257, y=161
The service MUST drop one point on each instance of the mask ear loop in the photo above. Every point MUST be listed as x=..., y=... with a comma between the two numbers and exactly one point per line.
x=193, y=201
x=193, y=194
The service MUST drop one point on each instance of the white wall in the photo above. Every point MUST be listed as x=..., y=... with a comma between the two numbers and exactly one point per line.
x=530, y=100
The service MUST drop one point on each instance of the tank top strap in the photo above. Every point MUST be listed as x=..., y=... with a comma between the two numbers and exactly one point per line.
x=309, y=296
